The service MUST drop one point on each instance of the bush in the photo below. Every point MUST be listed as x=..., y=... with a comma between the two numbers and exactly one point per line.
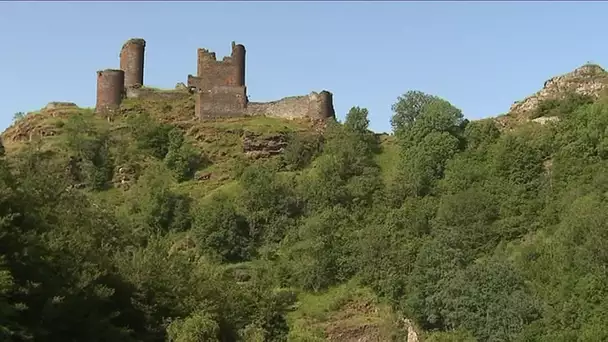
x=182, y=158
x=301, y=150
x=561, y=106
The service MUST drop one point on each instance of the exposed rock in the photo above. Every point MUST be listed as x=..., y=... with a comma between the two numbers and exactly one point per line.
x=77, y=186
x=184, y=246
x=548, y=165
x=203, y=176
x=255, y=146
x=28, y=132
x=73, y=170
x=55, y=105
x=544, y=119
x=356, y=333
x=412, y=335
x=123, y=177
x=240, y=274
x=343, y=329
x=44, y=133
x=589, y=79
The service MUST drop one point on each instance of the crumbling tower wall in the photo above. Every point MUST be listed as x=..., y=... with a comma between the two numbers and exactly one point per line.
x=110, y=89
x=321, y=105
x=132, y=62
x=238, y=58
x=229, y=72
x=220, y=85
x=316, y=106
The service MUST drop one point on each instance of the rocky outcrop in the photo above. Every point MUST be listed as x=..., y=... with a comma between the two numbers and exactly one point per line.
x=589, y=79
x=546, y=119
x=258, y=146
x=124, y=176
x=412, y=335
x=28, y=130
x=57, y=105
x=32, y=125
x=202, y=176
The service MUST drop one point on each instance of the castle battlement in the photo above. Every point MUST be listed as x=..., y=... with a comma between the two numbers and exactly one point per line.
x=218, y=87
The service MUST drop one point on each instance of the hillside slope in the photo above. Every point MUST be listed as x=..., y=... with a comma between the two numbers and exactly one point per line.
x=222, y=142
x=226, y=147
x=151, y=225
x=589, y=80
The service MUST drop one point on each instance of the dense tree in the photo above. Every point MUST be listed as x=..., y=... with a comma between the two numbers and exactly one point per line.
x=409, y=108
x=220, y=230
x=429, y=130
x=154, y=206
x=89, y=144
x=182, y=158
x=357, y=120
x=302, y=150
x=481, y=234
x=150, y=135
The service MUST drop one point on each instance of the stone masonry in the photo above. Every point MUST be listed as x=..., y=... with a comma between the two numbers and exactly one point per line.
x=132, y=62
x=219, y=87
x=110, y=89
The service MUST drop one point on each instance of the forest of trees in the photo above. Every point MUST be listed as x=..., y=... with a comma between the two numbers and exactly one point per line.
x=475, y=234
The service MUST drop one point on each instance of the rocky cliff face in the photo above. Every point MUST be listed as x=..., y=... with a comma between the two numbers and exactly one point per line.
x=256, y=146
x=34, y=125
x=589, y=79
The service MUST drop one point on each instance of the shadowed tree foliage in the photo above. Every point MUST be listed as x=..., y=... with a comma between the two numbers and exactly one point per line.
x=471, y=232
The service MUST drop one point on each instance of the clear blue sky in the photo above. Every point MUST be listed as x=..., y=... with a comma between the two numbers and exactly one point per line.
x=479, y=56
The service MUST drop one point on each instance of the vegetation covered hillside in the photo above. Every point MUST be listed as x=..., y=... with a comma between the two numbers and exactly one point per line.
x=152, y=226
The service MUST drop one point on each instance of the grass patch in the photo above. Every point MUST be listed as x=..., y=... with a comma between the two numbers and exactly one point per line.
x=342, y=312
x=220, y=140
x=389, y=154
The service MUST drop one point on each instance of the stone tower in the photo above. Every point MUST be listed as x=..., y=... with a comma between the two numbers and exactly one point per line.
x=238, y=58
x=321, y=105
x=220, y=84
x=132, y=62
x=110, y=89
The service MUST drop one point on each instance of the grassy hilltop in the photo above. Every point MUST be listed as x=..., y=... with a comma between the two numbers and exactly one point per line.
x=151, y=225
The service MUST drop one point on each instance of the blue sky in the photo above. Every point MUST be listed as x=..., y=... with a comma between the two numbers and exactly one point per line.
x=479, y=56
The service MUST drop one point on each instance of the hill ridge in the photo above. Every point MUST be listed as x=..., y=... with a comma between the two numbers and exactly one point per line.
x=588, y=79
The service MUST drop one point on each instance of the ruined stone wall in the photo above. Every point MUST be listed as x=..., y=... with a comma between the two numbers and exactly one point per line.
x=220, y=85
x=110, y=89
x=132, y=62
x=221, y=91
x=321, y=105
x=211, y=72
x=314, y=106
x=221, y=101
x=156, y=94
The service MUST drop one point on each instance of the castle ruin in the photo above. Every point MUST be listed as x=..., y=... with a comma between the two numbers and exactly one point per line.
x=219, y=87
x=110, y=89
x=132, y=62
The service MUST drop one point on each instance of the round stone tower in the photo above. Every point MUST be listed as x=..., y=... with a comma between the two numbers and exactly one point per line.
x=110, y=89
x=321, y=105
x=238, y=58
x=132, y=62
